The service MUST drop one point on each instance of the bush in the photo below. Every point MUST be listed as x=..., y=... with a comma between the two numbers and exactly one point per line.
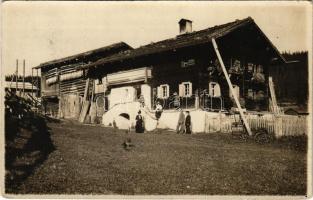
x=25, y=132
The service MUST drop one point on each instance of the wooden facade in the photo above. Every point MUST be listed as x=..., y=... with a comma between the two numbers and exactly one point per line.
x=187, y=66
x=63, y=81
x=179, y=72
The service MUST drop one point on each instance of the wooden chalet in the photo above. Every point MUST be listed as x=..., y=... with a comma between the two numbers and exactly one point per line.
x=63, y=81
x=184, y=71
x=194, y=70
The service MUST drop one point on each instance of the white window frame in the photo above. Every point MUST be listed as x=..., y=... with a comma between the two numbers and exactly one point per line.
x=161, y=93
x=183, y=89
x=217, y=85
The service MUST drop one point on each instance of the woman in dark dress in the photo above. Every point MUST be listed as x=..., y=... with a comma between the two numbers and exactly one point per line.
x=139, y=123
x=188, y=123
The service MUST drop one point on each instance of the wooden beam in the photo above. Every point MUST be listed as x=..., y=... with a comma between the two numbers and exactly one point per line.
x=146, y=75
x=38, y=86
x=33, y=81
x=86, y=89
x=276, y=109
x=24, y=78
x=231, y=87
x=92, y=90
x=16, y=86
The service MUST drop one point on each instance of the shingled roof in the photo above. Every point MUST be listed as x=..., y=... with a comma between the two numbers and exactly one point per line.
x=120, y=46
x=180, y=41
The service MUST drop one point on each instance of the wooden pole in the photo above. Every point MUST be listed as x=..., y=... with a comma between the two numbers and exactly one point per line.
x=16, y=77
x=32, y=82
x=58, y=73
x=92, y=90
x=231, y=87
x=86, y=89
x=37, y=82
x=146, y=75
x=24, y=78
x=273, y=96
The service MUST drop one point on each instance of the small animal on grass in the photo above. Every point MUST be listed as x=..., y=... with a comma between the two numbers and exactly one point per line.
x=114, y=126
x=128, y=144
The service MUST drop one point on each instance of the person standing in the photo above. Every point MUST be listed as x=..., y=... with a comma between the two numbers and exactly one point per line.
x=139, y=123
x=158, y=110
x=188, y=123
x=142, y=101
x=180, y=128
x=176, y=101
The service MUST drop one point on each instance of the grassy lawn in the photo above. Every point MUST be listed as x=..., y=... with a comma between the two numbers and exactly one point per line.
x=89, y=159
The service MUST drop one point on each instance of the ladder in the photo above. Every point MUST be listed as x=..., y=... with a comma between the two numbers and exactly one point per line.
x=245, y=122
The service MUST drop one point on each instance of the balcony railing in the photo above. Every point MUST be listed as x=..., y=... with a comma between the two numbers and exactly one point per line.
x=211, y=103
x=205, y=101
x=176, y=102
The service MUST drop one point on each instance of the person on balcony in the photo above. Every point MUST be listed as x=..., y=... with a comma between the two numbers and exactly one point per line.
x=188, y=123
x=180, y=128
x=158, y=110
x=141, y=101
x=139, y=123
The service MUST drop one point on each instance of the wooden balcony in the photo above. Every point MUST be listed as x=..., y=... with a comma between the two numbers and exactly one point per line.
x=129, y=76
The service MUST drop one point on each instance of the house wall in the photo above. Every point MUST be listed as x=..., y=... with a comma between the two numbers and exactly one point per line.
x=167, y=69
x=48, y=89
x=291, y=82
x=170, y=71
x=68, y=89
x=245, y=45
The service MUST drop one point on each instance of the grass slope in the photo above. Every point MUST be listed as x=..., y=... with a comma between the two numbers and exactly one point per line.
x=92, y=160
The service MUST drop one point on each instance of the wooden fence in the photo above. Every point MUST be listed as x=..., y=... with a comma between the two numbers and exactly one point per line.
x=280, y=125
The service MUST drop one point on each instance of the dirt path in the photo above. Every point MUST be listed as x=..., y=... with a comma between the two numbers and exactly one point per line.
x=91, y=159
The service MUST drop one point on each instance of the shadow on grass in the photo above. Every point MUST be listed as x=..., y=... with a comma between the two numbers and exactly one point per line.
x=298, y=143
x=28, y=149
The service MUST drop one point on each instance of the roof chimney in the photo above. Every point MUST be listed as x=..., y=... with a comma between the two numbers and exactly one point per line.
x=185, y=26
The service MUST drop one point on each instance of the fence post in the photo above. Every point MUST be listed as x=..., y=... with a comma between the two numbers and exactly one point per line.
x=197, y=102
x=220, y=121
x=278, y=126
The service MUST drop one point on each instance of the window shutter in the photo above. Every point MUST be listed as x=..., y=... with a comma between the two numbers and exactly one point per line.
x=168, y=91
x=159, y=92
x=181, y=90
x=105, y=84
x=217, y=90
x=190, y=89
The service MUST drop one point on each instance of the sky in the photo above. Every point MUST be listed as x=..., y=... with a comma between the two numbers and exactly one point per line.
x=42, y=31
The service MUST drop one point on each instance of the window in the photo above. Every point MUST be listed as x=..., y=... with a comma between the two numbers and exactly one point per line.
x=259, y=69
x=185, y=89
x=187, y=63
x=235, y=67
x=163, y=91
x=250, y=94
x=236, y=91
x=99, y=81
x=214, y=89
x=250, y=67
